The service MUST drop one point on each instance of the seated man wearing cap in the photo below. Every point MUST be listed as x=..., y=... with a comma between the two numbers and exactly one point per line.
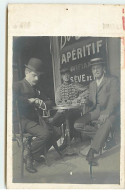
x=68, y=93
x=29, y=100
x=104, y=98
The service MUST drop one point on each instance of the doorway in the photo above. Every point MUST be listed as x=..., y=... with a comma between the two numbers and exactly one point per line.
x=39, y=47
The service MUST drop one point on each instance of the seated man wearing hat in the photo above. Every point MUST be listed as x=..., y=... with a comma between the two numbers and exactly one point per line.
x=29, y=100
x=68, y=93
x=104, y=98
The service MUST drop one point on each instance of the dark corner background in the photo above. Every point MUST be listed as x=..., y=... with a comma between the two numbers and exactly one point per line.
x=39, y=47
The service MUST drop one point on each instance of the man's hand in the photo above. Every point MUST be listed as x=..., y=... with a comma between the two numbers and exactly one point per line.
x=32, y=100
x=103, y=118
x=39, y=103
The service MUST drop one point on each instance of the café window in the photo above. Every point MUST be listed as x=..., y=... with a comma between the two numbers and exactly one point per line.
x=76, y=53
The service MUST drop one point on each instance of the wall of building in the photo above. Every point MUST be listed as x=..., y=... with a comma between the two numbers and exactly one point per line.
x=110, y=52
x=39, y=47
x=114, y=56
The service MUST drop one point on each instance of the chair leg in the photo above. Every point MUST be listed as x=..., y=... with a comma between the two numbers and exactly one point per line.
x=90, y=170
x=26, y=151
x=100, y=152
x=112, y=134
x=18, y=141
x=45, y=155
x=22, y=161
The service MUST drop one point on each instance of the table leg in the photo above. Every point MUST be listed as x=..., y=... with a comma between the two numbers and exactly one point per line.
x=67, y=132
x=69, y=150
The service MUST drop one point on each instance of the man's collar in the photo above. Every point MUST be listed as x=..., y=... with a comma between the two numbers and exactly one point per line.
x=99, y=81
x=66, y=83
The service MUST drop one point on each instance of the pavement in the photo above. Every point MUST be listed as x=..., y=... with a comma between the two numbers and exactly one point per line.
x=71, y=169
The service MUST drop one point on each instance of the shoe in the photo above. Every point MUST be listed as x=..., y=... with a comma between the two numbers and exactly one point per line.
x=29, y=165
x=90, y=157
x=30, y=169
x=109, y=144
x=63, y=146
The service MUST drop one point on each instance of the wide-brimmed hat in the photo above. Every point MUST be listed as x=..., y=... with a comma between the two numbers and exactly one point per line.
x=64, y=70
x=36, y=65
x=96, y=61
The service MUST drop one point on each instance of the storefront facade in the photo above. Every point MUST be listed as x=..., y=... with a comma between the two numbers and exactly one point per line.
x=76, y=52
x=72, y=52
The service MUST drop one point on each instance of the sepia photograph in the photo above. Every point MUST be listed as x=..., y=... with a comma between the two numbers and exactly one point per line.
x=66, y=110
x=65, y=97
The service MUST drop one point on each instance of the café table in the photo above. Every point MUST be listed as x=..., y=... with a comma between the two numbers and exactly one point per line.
x=69, y=150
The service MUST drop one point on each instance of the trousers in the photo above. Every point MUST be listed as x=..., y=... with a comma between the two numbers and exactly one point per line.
x=44, y=135
x=100, y=133
x=59, y=118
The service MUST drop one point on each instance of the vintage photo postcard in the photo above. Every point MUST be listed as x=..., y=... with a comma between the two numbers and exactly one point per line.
x=66, y=96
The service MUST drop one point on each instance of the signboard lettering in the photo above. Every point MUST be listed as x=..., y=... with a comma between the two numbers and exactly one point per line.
x=76, y=53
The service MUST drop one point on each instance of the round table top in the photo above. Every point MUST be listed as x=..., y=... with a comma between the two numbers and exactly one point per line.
x=67, y=107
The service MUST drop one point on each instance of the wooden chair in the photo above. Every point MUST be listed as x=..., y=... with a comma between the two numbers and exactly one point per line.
x=23, y=138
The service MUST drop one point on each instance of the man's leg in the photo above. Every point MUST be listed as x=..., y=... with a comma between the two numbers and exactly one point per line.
x=80, y=123
x=101, y=135
x=54, y=137
x=73, y=115
x=57, y=119
x=41, y=135
x=99, y=139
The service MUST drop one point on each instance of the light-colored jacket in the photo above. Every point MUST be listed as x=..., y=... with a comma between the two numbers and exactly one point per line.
x=105, y=98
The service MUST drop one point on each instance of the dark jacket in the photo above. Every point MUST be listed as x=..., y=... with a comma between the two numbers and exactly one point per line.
x=22, y=91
